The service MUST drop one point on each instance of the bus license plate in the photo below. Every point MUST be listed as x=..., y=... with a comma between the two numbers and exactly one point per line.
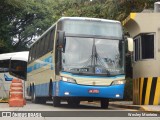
x=93, y=91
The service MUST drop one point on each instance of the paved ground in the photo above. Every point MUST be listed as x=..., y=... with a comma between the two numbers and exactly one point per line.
x=116, y=105
x=129, y=105
x=84, y=106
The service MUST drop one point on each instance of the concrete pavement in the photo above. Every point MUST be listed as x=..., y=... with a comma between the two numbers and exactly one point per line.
x=91, y=105
x=129, y=105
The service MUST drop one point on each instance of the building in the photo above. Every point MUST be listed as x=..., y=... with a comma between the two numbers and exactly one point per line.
x=144, y=28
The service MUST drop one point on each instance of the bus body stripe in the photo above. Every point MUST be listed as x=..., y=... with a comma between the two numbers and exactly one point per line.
x=44, y=62
x=144, y=90
x=152, y=91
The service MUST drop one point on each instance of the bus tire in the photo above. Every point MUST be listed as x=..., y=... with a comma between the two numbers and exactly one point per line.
x=38, y=100
x=30, y=91
x=41, y=100
x=56, y=101
x=104, y=103
x=33, y=97
x=50, y=88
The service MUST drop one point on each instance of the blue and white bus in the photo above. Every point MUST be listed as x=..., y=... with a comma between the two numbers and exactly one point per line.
x=78, y=59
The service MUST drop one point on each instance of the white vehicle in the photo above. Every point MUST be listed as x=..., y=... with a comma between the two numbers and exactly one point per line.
x=12, y=65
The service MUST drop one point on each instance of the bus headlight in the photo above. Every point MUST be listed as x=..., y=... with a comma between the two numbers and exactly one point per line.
x=66, y=79
x=118, y=82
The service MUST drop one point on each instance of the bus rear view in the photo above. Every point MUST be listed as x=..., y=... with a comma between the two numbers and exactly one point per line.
x=91, y=60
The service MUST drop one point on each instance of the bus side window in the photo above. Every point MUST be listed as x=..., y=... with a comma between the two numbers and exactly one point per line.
x=51, y=42
x=33, y=52
x=30, y=53
x=37, y=49
x=41, y=47
x=46, y=42
x=34, y=56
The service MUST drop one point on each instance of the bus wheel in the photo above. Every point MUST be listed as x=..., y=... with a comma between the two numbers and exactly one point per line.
x=38, y=100
x=56, y=101
x=104, y=103
x=30, y=91
x=33, y=97
x=50, y=88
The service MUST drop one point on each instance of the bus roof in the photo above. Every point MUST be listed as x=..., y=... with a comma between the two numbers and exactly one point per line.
x=87, y=18
x=15, y=56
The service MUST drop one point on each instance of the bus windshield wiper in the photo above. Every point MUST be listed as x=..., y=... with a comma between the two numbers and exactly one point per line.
x=94, y=59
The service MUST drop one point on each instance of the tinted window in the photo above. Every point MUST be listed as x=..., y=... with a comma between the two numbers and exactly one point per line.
x=51, y=42
x=4, y=65
x=33, y=52
x=18, y=68
x=46, y=49
x=30, y=55
x=147, y=46
x=144, y=47
x=41, y=47
x=38, y=49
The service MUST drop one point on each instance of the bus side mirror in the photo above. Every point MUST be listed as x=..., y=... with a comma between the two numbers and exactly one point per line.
x=130, y=44
x=61, y=40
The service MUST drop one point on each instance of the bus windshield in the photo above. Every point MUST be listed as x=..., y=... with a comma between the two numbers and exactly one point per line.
x=95, y=28
x=93, y=56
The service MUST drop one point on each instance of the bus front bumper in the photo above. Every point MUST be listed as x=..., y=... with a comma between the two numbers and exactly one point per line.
x=66, y=89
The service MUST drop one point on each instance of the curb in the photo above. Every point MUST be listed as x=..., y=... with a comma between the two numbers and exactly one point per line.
x=136, y=107
x=127, y=106
x=147, y=110
x=3, y=101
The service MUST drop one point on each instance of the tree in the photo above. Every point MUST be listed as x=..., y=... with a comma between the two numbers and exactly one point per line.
x=30, y=22
x=21, y=21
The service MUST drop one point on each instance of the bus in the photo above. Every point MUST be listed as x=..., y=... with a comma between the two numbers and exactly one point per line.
x=78, y=59
x=12, y=66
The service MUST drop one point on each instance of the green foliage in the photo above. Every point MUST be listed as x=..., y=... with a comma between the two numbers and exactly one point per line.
x=109, y=9
x=31, y=21
x=22, y=20
x=5, y=46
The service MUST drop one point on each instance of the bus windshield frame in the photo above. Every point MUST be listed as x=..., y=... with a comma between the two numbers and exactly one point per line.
x=75, y=34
